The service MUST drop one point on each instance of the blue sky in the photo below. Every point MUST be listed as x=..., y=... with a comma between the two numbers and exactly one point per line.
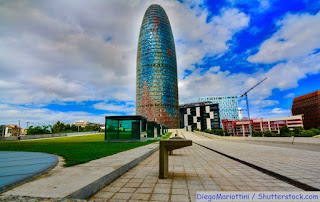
x=75, y=60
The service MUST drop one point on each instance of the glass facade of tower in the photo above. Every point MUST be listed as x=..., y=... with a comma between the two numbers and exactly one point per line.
x=156, y=84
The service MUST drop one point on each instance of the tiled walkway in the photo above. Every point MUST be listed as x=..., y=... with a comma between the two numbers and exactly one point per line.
x=300, y=165
x=191, y=169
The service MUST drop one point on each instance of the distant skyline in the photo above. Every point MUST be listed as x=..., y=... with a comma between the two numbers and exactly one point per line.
x=76, y=60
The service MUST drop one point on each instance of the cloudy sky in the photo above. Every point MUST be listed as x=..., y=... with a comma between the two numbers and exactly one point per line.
x=75, y=60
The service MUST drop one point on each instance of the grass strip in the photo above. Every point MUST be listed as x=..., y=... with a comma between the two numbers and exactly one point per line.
x=75, y=150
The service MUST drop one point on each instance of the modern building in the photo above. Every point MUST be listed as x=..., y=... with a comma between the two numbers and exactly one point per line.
x=157, y=83
x=228, y=106
x=152, y=128
x=202, y=115
x=309, y=106
x=241, y=128
x=83, y=123
x=12, y=130
x=2, y=130
x=240, y=113
x=125, y=128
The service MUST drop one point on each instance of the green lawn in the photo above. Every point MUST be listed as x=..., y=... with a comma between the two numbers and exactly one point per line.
x=75, y=150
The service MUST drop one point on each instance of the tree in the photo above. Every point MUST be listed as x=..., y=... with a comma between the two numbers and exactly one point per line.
x=95, y=128
x=38, y=130
x=67, y=128
x=284, y=131
x=74, y=128
x=58, y=127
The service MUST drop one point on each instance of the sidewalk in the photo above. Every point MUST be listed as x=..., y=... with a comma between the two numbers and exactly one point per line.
x=300, y=165
x=191, y=169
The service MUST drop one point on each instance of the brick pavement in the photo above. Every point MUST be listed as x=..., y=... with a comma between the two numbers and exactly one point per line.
x=300, y=165
x=191, y=169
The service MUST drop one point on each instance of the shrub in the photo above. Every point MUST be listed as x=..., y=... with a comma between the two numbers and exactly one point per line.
x=257, y=133
x=269, y=134
x=218, y=132
x=297, y=130
x=194, y=128
x=226, y=133
x=211, y=131
x=315, y=131
x=307, y=133
x=287, y=134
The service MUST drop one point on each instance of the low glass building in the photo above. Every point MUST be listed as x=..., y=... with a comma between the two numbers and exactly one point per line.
x=125, y=128
x=151, y=129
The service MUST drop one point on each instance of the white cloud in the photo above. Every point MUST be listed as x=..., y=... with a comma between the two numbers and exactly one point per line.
x=289, y=95
x=254, y=5
x=57, y=50
x=298, y=35
x=42, y=116
x=280, y=111
x=264, y=103
x=282, y=76
x=195, y=38
x=127, y=108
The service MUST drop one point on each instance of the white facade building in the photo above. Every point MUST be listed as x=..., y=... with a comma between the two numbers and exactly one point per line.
x=240, y=113
x=228, y=106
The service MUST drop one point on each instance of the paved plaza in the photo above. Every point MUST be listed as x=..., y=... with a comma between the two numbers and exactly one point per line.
x=191, y=169
x=300, y=165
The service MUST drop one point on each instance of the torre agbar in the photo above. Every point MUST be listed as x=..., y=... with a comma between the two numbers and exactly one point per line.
x=157, y=83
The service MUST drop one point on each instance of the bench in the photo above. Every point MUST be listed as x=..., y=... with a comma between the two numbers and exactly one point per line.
x=168, y=146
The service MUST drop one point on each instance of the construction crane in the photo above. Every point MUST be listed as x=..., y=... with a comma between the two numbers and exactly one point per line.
x=246, y=94
x=28, y=123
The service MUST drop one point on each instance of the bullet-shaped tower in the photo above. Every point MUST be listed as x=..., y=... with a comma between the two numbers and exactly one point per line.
x=157, y=83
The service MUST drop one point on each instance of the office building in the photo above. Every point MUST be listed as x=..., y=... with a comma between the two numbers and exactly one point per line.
x=309, y=106
x=241, y=128
x=157, y=83
x=202, y=115
x=228, y=106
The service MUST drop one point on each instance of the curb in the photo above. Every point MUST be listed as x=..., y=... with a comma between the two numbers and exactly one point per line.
x=248, y=140
x=94, y=187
